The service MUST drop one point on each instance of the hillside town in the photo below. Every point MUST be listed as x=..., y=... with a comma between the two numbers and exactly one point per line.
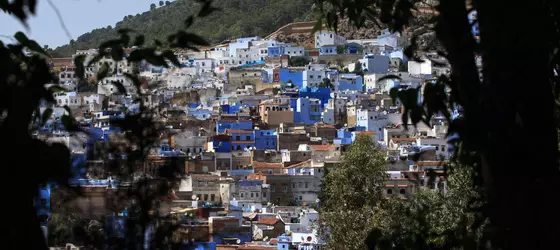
x=253, y=125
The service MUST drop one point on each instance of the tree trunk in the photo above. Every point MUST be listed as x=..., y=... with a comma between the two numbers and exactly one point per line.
x=519, y=118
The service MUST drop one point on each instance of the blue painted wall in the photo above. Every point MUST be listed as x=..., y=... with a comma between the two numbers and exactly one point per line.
x=295, y=76
x=221, y=126
x=323, y=94
x=265, y=139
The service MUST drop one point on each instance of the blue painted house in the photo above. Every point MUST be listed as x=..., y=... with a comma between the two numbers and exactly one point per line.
x=296, y=76
x=43, y=203
x=223, y=125
x=266, y=139
x=221, y=143
x=350, y=82
x=353, y=48
x=276, y=50
x=345, y=136
x=323, y=94
x=198, y=246
x=79, y=161
x=241, y=139
x=328, y=50
x=307, y=111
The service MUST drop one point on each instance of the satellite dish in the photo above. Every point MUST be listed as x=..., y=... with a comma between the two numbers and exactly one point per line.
x=197, y=198
x=193, y=197
x=238, y=241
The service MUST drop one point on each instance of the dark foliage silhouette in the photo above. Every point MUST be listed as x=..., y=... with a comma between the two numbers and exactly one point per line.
x=518, y=179
x=24, y=76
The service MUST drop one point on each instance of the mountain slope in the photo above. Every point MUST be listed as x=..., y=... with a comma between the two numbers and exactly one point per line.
x=237, y=18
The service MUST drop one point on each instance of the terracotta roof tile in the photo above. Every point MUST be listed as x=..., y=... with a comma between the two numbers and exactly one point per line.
x=62, y=62
x=268, y=221
x=366, y=132
x=259, y=164
x=273, y=241
x=299, y=164
x=321, y=147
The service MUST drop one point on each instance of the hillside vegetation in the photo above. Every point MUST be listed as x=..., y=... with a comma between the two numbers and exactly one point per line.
x=236, y=18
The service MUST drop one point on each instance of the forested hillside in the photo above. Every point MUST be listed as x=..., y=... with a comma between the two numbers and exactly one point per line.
x=236, y=18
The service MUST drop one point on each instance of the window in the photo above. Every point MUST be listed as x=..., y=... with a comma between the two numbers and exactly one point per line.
x=442, y=148
x=389, y=191
x=212, y=197
x=272, y=188
x=300, y=198
x=237, y=138
x=248, y=138
x=257, y=195
x=43, y=201
x=251, y=195
x=300, y=185
x=241, y=195
x=284, y=188
x=306, y=184
x=402, y=191
x=264, y=194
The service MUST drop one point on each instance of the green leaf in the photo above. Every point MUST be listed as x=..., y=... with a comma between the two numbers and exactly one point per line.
x=96, y=58
x=68, y=121
x=189, y=21
x=207, y=10
x=169, y=55
x=393, y=93
x=117, y=53
x=46, y=116
x=318, y=26
x=30, y=44
x=109, y=44
x=56, y=88
x=125, y=39
x=124, y=31
x=196, y=39
x=389, y=77
x=139, y=40
x=79, y=63
x=134, y=79
x=120, y=87
x=103, y=71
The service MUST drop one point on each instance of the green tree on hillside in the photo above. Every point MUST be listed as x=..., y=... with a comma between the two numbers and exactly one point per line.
x=153, y=6
x=431, y=219
x=326, y=83
x=298, y=61
x=351, y=192
x=495, y=105
x=161, y=3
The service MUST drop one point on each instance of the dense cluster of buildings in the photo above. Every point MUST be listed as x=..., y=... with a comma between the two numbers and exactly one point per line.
x=252, y=133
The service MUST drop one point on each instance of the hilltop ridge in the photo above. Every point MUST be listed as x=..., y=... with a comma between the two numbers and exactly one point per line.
x=236, y=18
